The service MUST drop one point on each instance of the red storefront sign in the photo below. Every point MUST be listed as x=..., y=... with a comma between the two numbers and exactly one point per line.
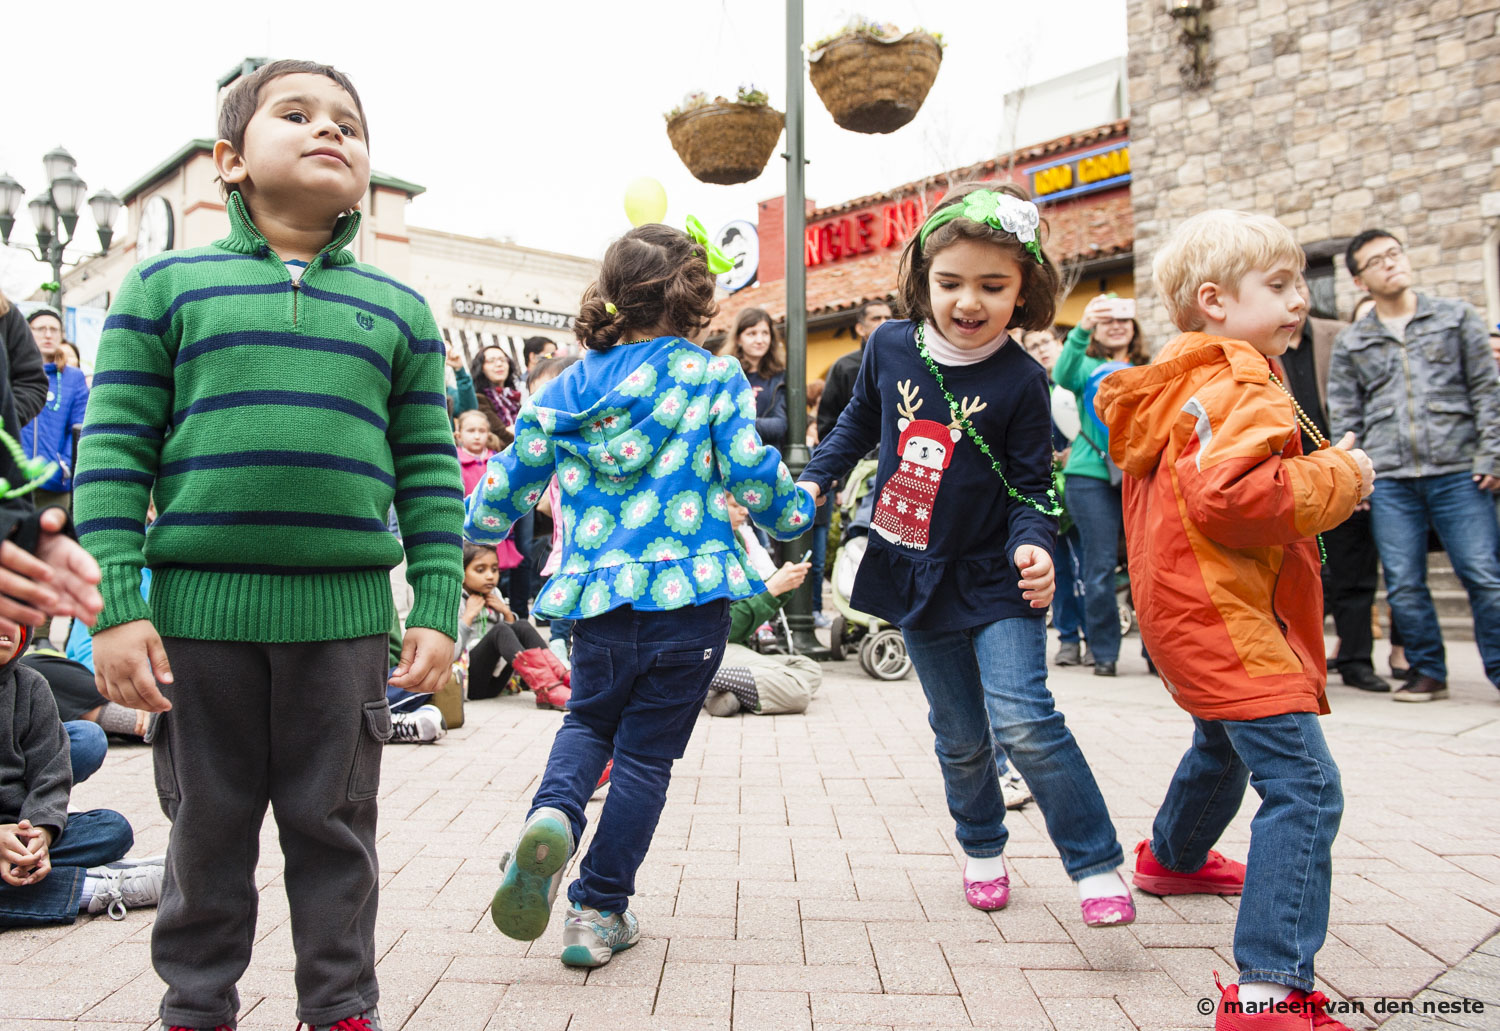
x=861, y=232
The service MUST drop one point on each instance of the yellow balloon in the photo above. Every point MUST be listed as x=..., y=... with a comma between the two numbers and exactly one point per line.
x=645, y=201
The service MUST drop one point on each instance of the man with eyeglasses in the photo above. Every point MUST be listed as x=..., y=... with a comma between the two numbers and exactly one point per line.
x=1416, y=383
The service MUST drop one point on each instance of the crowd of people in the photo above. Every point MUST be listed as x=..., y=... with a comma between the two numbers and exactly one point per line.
x=623, y=502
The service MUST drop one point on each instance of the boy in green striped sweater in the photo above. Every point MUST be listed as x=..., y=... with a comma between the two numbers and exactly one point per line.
x=274, y=396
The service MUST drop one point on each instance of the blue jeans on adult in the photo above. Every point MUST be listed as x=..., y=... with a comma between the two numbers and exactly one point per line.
x=639, y=679
x=1098, y=517
x=1067, y=603
x=93, y=838
x=819, y=559
x=1464, y=518
x=1284, y=910
x=87, y=744
x=992, y=680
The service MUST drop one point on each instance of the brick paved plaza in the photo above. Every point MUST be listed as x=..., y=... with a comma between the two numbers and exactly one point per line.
x=804, y=877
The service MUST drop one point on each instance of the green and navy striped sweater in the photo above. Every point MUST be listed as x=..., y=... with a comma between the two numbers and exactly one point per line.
x=274, y=423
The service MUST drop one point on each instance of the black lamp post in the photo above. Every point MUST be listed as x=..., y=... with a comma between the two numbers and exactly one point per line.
x=54, y=209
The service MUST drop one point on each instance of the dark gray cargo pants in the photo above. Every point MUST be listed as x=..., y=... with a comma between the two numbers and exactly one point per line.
x=298, y=726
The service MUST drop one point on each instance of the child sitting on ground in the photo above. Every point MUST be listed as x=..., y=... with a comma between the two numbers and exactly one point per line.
x=1221, y=507
x=496, y=642
x=55, y=864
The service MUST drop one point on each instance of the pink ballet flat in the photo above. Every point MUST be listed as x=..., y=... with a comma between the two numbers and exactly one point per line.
x=1116, y=910
x=988, y=895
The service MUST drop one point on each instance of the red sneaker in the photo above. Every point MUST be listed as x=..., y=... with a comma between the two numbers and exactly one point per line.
x=1302, y=1011
x=609, y=768
x=1217, y=876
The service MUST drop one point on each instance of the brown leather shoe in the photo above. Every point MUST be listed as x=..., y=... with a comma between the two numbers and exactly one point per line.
x=1421, y=688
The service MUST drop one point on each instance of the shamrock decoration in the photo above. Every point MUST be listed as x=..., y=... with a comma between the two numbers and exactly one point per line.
x=996, y=209
x=36, y=470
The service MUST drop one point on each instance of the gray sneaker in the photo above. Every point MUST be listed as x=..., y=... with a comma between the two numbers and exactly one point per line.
x=369, y=1020
x=1067, y=654
x=532, y=875
x=126, y=887
x=591, y=938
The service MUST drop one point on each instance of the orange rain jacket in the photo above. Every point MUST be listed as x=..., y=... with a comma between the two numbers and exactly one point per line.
x=1221, y=507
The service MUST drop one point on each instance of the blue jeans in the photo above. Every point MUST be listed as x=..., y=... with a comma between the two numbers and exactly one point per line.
x=1098, y=517
x=562, y=630
x=819, y=559
x=87, y=744
x=1284, y=911
x=1067, y=604
x=992, y=680
x=639, y=679
x=93, y=838
x=1464, y=518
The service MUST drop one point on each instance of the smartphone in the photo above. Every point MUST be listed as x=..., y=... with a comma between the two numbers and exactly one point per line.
x=1122, y=308
x=805, y=556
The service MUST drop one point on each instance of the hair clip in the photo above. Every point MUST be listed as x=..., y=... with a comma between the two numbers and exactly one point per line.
x=609, y=306
x=996, y=210
x=718, y=262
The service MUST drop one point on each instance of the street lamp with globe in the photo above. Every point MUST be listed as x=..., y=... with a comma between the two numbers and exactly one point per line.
x=54, y=208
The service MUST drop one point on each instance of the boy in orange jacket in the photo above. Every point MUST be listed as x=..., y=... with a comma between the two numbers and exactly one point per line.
x=1221, y=508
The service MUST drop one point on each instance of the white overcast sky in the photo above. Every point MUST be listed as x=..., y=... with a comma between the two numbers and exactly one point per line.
x=523, y=120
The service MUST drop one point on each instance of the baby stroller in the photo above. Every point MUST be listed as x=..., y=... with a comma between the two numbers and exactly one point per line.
x=882, y=651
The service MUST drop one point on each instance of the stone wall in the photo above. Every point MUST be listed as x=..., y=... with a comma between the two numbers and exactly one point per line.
x=1332, y=115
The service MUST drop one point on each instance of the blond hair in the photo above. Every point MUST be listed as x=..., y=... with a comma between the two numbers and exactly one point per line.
x=1219, y=246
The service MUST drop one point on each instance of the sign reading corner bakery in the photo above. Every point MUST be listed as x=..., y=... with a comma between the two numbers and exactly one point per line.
x=468, y=308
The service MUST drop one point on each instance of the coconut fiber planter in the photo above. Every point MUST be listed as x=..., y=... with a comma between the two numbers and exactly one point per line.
x=875, y=85
x=726, y=142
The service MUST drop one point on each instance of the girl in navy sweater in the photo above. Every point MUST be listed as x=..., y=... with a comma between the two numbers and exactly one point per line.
x=965, y=522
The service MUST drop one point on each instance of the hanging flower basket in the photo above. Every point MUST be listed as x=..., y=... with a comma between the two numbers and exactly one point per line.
x=725, y=142
x=873, y=83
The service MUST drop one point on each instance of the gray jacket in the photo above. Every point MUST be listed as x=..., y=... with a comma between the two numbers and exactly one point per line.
x=1428, y=407
x=36, y=774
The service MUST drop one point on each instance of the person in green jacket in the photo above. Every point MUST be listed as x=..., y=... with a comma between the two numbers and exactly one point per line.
x=1093, y=495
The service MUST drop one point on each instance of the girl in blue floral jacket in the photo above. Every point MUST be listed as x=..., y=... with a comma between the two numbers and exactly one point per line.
x=644, y=435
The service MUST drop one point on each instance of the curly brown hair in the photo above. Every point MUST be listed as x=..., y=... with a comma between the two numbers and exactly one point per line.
x=774, y=360
x=1037, y=301
x=656, y=278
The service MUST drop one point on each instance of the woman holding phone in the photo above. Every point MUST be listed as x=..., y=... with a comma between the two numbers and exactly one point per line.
x=1107, y=332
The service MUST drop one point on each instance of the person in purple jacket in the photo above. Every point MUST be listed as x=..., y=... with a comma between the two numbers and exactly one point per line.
x=960, y=553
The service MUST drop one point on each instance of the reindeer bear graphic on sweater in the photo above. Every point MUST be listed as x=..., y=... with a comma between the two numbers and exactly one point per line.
x=944, y=527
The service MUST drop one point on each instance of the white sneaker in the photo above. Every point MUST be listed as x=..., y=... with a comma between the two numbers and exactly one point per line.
x=123, y=888
x=1014, y=790
x=420, y=727
x=821, y=621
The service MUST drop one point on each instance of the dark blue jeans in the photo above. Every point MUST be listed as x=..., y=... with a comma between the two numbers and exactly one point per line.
x=992, y=680
x=1097, y=515
x=639, y=679
x=93, y=838
x=1289, y=872
x=87, y=744
x=1067, y=604
x=1464, y=518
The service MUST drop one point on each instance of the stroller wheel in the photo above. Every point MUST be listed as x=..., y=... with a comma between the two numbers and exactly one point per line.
x=836, y=638
x=883, y=655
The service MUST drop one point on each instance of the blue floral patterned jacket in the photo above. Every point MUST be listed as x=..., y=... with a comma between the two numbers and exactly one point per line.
x=644, y=440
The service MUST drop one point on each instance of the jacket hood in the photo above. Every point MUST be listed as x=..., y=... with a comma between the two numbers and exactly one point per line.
x=615, y=408
x=1140, y=405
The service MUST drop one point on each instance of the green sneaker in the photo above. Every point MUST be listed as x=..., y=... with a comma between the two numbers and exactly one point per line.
x=591, y=938
x=532, y=874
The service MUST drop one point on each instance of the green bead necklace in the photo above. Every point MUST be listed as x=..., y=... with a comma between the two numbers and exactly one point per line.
x=1054, y=509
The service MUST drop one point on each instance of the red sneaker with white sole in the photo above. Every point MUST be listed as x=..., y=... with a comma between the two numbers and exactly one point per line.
x=1217, y=876
x=1300, y=1011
